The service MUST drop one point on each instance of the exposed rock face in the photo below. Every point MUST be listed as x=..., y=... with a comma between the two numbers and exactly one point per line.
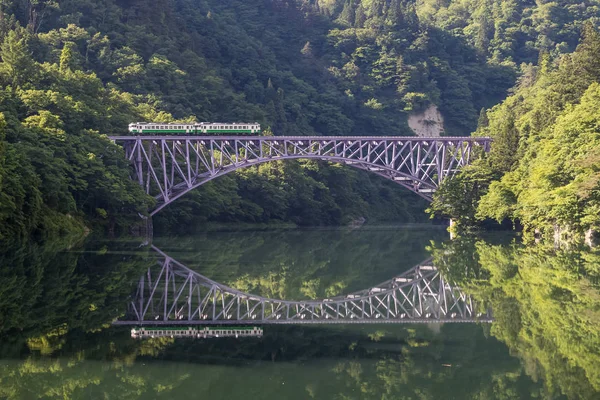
x=591, y=238
x=357, y=223
x=428, y=123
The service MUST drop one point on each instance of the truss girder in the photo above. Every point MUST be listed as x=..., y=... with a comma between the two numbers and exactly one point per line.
x=172, y=293
x=170, y=166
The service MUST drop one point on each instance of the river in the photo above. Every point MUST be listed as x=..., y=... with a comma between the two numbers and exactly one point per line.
x=57, y=301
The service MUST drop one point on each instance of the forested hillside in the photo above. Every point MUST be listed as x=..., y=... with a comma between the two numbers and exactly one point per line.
x=512, y=31
x=543, y=167
x=75, y=70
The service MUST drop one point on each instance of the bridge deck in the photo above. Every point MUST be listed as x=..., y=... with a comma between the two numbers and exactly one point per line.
x=320, y=138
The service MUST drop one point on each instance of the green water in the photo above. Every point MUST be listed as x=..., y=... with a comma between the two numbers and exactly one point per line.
x=57, y=301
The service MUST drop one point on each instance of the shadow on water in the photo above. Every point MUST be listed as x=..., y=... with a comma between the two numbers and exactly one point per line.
x=56, y=305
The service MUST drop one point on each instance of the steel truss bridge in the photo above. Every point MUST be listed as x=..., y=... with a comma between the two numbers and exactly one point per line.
x=171, y=293
x=170, y=166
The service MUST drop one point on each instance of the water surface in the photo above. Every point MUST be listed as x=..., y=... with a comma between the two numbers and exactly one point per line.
x=57, y=301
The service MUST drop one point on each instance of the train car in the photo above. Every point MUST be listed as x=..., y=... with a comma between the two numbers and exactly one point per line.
x=152, y=128
x=225, y=128
x=198, y=128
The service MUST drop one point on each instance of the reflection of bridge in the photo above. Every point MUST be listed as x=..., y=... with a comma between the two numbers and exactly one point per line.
x=172, y=293
x=170, y=166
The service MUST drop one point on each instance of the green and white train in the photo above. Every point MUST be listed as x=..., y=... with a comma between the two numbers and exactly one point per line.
x=197, y=128
x=146, y=332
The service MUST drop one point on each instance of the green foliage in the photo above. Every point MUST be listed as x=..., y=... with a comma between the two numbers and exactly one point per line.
x=299, y=67
x=510, y=31
x=551, y=178
x=543, y=166
x=56, y=168
x=458, y=197
x=81, y=70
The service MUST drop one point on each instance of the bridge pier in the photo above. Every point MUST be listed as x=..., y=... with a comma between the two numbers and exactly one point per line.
x=143, y=228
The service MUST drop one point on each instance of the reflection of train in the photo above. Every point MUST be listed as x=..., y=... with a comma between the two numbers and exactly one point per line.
x=195, y=332
x=197, y=128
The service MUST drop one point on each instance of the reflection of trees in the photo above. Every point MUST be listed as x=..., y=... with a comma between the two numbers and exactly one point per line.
x=45, y=292
x=302, y=263
x=546, y=304
x=67, y=313
x=288, y=362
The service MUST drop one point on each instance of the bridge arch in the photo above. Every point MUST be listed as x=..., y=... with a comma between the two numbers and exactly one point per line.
x=168, y=167
x=398, y=177
x=174, y=294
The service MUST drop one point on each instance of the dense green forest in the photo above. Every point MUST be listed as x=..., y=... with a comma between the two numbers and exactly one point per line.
x=542, y=171
x=510, y=31
x=73, y=71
